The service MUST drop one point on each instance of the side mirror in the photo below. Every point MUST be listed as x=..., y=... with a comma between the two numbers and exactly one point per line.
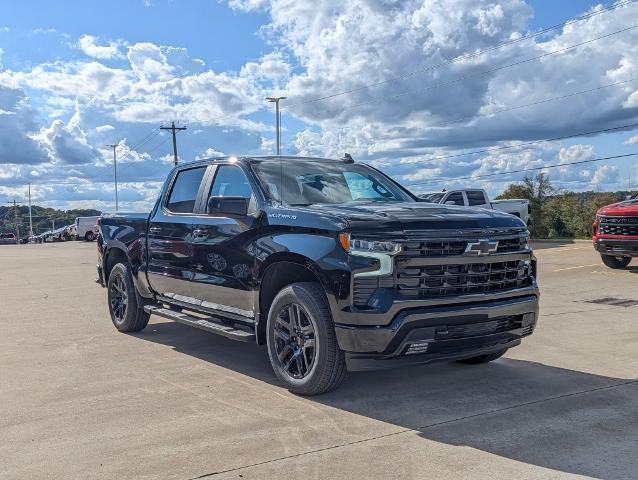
x=450, y=202
x=228, y=205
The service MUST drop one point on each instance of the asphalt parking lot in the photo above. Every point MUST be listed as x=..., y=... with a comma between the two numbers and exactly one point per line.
x=80, y=400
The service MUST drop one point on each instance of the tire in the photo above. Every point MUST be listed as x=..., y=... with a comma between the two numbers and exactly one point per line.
x=89, y=237
x=615, y=262
x=303, y=308
x=488, y=357
x=126, y=314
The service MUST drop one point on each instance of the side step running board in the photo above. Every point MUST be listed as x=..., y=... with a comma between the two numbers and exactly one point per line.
x=209, y=324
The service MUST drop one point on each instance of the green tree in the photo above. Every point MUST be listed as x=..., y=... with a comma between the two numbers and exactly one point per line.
x=537, y=190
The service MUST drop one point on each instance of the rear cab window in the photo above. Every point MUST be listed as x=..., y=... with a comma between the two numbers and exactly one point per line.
x=475, y=197
x=185, y=189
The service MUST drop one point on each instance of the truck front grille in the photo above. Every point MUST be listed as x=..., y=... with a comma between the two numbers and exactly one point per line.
x=618, y=226
x=419, y=274
x=461, y=279
x=445, y=248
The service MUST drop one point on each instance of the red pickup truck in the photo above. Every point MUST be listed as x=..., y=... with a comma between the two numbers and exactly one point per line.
x=615, y=232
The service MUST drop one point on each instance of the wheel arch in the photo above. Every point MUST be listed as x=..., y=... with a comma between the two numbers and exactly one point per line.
x=279, y=271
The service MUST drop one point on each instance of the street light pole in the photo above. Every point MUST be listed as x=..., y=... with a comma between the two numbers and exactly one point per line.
x=30, y=217
x=115, y=172
x=276, y=100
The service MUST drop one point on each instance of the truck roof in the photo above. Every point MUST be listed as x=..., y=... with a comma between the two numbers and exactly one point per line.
x=273, y=158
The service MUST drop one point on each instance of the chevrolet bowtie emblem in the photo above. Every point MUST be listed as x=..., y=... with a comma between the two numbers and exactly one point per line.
x=482, y=247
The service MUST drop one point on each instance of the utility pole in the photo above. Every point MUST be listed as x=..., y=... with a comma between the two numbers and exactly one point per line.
x=276, y=100
x=30, y=217
x=115, y=172
x=173, y=130
x=15, y=213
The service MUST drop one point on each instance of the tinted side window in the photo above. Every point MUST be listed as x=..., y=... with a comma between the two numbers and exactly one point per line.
x=184, y=191
x=456, y=197
x=475, y=197
x=231, y=181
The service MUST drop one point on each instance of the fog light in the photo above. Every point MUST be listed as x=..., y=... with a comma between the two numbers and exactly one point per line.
x=418, y=347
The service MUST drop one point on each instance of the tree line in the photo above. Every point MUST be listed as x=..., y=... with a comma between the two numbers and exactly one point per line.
x=557, y=213
x=43, y=218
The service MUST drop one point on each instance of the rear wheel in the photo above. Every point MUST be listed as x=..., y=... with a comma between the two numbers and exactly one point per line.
x=89, y=237
x=126, y=314
x=615, y=262
x=302, y=344
x=488, y=357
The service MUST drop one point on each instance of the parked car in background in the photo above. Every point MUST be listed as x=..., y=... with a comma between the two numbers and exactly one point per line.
x=71, y=232
x=615, y=232
x=329, y=263
x=474, y=197
x=84, y=228
x=8, y=239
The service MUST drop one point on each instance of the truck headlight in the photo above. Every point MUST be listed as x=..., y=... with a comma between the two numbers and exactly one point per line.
x=379, y=250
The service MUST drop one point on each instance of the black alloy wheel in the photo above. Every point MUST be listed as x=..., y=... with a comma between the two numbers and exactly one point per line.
x=295, y=341
x=301, y=339
x=118, y=298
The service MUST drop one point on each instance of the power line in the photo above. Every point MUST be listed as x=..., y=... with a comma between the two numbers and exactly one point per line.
x=467, y=56
x=533, y=142
x=488, y=71
x=539, y=102
x=531, y=169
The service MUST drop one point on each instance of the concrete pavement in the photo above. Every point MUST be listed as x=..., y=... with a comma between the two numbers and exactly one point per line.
x=80, y=400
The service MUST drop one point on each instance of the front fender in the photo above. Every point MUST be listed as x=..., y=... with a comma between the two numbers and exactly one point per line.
x=321, y=254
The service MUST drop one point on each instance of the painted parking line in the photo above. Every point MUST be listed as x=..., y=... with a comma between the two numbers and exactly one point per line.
x=545, y=251
x=579, y=266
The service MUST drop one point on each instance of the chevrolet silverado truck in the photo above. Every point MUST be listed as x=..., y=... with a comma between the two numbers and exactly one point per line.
x=329, y=263
x=475, y=197
x=615, y=232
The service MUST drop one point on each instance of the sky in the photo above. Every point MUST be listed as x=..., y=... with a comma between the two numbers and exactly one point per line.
x=436, y=93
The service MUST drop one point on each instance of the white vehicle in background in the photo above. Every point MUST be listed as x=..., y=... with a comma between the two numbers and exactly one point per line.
x=474, y=197
x=84, y=228
x=71, y=232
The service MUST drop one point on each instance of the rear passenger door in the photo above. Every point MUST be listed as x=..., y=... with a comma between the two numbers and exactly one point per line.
x=223, y=269
x=170, y=253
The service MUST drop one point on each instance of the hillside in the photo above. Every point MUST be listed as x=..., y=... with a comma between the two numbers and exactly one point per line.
x=43, y=218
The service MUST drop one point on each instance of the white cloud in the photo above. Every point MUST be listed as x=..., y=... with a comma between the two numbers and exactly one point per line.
x=210, y=152
x=17, y=125
x=104, y=128
x=632, y=140
x=88, y=44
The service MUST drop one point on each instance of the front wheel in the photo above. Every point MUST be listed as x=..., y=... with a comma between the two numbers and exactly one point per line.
x=126, y=314
x=302, y=344
x=615, y=262
x=488, y=357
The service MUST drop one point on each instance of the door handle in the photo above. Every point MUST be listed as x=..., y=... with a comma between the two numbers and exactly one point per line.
x=200, y=232
x=155, y=229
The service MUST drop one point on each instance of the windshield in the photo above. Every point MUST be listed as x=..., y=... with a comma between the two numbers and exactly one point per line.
x=308, y=183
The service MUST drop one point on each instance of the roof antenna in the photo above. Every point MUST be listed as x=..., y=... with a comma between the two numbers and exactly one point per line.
x=347, y=158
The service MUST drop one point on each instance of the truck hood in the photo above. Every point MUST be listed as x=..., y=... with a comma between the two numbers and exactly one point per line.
x=414, y=216
x=626, y=208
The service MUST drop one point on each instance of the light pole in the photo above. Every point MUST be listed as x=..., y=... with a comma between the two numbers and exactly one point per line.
x=115, y=172
x=30, y=216
x=276, y=100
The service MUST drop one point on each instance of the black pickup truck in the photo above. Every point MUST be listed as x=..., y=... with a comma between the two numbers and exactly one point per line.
x=330, y=263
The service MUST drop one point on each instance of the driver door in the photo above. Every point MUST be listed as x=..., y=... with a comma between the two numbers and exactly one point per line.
x=223, y=270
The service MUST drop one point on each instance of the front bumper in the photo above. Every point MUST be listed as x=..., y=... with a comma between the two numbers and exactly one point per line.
x=439, y=333
x=626, y=247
